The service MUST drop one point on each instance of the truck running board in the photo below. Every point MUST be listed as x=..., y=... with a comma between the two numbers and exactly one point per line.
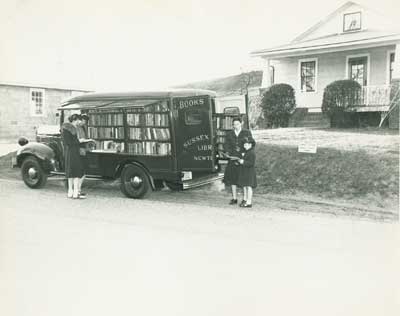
x=194, y=183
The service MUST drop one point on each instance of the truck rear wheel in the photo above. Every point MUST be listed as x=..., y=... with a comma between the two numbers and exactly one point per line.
x=33, y=173
x=134, y=182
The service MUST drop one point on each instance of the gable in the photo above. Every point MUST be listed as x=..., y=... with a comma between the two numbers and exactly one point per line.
x=358, y=16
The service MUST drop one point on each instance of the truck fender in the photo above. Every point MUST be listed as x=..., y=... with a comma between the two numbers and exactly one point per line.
x=41, y=151
x=121, y=166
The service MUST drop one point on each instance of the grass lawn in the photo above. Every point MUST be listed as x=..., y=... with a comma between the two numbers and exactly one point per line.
x=349, y=164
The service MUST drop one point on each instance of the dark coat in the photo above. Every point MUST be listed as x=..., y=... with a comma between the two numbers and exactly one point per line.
x=247, y=173
x=234, y=147
x=73, y=162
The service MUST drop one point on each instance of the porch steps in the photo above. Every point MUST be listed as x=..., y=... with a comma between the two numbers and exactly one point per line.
x=302, y=118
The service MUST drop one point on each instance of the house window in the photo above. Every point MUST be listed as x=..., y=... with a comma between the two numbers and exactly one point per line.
x=37, y=102
x=352, y=22
x=358, y=69
x=308, y=73
x=391, y=66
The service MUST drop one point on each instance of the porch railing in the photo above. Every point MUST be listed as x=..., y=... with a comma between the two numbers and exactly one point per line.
x=375, y=95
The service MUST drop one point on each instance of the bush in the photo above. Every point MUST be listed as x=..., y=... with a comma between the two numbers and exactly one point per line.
x=339, y=96
x=278, y=102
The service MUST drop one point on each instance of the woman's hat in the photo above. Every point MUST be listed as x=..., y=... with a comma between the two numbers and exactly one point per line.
x=84, y=117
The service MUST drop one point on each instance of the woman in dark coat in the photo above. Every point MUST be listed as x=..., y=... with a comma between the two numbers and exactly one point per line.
x=247, y=174
x=233, y=147
x=73, y=162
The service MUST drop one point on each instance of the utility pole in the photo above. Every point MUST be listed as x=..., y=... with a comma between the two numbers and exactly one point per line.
x=246, y=101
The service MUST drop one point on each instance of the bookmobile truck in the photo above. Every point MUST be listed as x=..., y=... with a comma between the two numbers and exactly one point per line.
x=146, y=139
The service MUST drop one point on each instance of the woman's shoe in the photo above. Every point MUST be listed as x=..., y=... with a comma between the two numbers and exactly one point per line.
x=247, y=205
x=79, y=196
x=242, y=203
x=232, y=202
x=70, y=195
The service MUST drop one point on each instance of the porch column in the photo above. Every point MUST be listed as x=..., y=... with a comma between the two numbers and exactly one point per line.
x=266, y=79
x=396, y=66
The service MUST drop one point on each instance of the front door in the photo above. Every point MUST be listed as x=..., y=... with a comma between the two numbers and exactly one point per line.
x=193, y=133
x=358, y=70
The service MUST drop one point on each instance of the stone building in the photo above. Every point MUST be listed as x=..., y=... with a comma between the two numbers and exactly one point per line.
x=24, y=107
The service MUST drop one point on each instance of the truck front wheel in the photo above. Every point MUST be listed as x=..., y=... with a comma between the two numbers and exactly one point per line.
x=134, y=182
x=33, y=173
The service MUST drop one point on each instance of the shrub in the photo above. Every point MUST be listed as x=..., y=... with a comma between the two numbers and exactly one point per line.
x=339, y=96
x=278, y=102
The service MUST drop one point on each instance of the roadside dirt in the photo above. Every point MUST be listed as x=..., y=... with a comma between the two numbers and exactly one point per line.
x=217, y=195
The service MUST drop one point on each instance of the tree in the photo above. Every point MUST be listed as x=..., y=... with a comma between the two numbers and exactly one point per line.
x=278, y=103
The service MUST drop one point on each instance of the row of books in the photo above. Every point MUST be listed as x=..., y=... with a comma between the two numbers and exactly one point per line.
x=225, y=122
x=104, y=111
x=106, y=119
x=106, y=132
x=149, y=133
x=148, y=119
x=220, y=137
x=157, y=107
x=110, y=145
x=150, y=148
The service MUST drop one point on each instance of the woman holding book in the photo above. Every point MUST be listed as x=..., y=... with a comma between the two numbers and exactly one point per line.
x=74, y=169
x=233, y=147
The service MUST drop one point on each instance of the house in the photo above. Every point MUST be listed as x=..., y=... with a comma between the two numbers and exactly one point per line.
x=24, y=107
x=353, y=42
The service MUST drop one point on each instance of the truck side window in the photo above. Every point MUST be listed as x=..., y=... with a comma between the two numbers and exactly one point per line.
x=193, y=117
x=232, y=110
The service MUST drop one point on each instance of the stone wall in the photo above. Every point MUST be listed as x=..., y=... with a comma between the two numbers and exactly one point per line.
x=15, y=111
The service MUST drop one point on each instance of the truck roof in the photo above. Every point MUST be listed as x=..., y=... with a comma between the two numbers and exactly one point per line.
x=137, y=95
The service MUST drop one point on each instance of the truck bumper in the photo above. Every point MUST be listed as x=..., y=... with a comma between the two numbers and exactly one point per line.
x=194, y=183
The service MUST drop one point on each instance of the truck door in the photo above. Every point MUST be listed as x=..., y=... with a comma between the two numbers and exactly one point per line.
x=193, y=133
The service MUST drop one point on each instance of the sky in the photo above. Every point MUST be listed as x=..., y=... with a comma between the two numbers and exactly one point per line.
x=133, y=45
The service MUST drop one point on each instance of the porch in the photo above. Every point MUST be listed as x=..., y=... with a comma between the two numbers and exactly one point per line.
x=373, y=98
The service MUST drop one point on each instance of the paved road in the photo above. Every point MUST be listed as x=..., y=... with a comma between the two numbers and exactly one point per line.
x=109, y=255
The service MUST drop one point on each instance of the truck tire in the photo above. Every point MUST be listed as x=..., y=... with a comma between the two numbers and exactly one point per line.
x=33, y=173
x=135, y=182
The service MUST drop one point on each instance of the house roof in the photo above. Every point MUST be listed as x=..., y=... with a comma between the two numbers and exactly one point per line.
x=41, y=86
x=312, y=41
x=137, y=95
x=331, y=43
